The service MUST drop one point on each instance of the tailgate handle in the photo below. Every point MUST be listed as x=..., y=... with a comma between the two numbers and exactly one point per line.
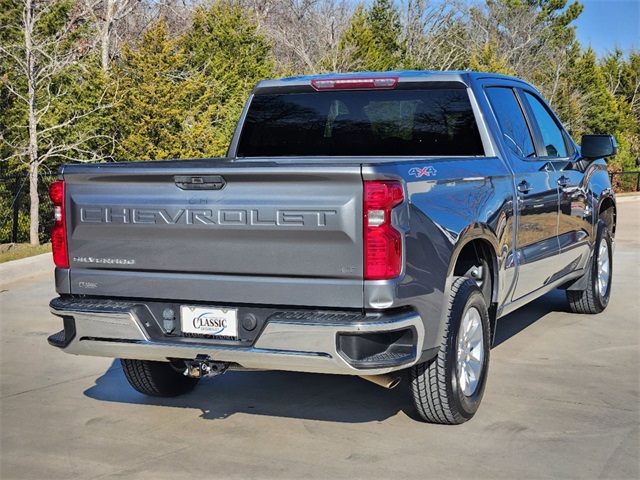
x=200, y=182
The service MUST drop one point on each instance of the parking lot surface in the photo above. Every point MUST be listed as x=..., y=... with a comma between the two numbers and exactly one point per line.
x=562, y=401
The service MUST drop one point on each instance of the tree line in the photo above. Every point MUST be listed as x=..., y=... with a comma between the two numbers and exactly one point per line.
x=117, y=80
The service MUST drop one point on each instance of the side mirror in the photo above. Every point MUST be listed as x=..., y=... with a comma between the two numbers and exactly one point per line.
x=598, y=146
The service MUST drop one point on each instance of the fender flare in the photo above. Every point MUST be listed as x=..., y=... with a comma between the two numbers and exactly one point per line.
x=606, y=195
x=484, y=233
x=469, y=234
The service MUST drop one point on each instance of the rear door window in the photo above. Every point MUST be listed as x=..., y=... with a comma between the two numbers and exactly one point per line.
x=361, y=123
x=515, y=131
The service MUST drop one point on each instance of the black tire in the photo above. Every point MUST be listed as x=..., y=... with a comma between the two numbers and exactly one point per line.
x=437, y=391
x=595, y=297
x=158, y=379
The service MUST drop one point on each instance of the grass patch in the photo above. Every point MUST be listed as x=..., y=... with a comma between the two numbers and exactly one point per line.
x=16, y=251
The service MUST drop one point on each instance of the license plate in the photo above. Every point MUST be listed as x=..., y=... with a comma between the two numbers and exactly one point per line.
x=218, y=322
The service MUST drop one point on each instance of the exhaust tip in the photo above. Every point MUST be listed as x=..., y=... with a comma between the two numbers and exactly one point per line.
x=386, y=381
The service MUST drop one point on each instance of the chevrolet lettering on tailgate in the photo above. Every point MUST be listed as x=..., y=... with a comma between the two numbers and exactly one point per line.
x=188, y=216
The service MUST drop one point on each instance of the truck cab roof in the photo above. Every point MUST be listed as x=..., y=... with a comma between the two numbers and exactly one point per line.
x=461, y=77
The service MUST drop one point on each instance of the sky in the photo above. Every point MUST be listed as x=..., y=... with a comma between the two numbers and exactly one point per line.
x=606, y=24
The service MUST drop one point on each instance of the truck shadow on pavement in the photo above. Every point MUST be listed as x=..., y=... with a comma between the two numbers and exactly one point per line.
x=511, y=325
x=332, y=398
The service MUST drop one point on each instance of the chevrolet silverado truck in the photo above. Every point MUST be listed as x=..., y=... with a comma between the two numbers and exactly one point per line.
x=369, y=224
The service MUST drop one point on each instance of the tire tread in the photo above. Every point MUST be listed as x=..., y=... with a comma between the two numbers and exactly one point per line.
x=430, y=391
x=587, y=301
x=156, y=379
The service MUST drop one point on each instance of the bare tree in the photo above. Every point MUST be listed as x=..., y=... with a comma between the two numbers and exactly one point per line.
x=305, y=33
x=106, y=15
x=516, y=33
x=176, y=14
x=38, y=61
x=434, y=34
x=532, y=39
x=117, y=21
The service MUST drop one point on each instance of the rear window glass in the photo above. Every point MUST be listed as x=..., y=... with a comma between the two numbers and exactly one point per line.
x=361, y=123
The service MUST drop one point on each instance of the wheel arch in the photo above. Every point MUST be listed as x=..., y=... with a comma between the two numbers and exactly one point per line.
x=607, y=212
x=475, y=245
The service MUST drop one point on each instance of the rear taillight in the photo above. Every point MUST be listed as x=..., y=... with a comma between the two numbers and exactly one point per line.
x=59, y=230
x=382, y=242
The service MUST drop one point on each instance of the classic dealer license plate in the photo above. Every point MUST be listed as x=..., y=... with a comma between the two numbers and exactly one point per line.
x=209, y=321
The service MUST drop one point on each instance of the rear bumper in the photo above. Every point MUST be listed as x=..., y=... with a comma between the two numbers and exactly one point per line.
x=348, y=343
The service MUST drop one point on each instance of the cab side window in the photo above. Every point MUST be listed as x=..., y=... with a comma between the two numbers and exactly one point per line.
x=513, y=125
x=552, y=137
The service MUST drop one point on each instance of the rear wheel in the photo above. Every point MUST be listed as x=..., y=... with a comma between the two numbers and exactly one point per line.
x=158, y=379
x=595, y=297
x=449, y=388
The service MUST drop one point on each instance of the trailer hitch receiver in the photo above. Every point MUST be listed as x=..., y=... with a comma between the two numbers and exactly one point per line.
x=203, y=366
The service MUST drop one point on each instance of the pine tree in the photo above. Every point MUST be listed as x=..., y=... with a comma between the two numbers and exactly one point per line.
x=487, y=59
x=183, y=96
x=601, y=111
x=373, y=40
x=226, y=57
x=152, y=117
x=622, y=78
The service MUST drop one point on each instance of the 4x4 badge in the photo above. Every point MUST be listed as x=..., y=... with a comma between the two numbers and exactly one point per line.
x=423, y=172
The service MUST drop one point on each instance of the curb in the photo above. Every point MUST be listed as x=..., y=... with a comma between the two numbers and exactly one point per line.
x=627, y=197
x=26, y=267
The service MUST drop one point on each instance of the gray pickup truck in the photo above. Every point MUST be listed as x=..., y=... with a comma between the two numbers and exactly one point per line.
x=361, y=224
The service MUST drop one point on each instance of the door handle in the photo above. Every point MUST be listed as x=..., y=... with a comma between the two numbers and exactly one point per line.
x=524, y=187
x=563, y=181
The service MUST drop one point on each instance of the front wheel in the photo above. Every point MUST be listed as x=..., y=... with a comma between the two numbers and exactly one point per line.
x=158, y=379
x=595, y=297
x=448, y=389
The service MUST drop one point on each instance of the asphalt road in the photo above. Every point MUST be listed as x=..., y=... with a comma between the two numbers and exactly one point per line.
x=562, y=401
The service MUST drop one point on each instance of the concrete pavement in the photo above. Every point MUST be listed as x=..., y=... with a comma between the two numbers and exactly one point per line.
x=562, y=401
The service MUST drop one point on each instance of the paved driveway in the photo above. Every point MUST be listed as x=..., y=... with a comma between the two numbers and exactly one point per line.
x=562, y=401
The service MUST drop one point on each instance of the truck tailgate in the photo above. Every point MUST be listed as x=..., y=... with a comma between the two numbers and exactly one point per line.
x=195, y=231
